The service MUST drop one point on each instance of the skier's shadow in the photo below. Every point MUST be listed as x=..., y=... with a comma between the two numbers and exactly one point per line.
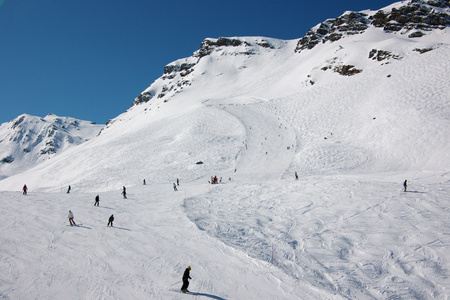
x=415, y=192
x=210, y=296
x=106, y=207
x=121, y=228
x=81, y=226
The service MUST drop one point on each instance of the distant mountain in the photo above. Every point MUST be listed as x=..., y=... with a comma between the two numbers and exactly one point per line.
x=28, y=140
x=363, y=93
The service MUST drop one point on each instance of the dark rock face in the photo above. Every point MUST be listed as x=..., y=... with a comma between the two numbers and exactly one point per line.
x=422, y=51
x=7, y=160
x=177, y=68
x=208, y=45
x=347, y=70
x=418, y=15
x=415, y=15
x=381, y=55
x=416, y=34
x=142, y=98
x=334, y=29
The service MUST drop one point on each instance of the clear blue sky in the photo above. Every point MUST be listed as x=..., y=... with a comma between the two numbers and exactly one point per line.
x=89, y=59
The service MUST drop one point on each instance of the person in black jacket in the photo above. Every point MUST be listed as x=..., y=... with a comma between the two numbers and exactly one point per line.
x=97, y=200
x=186, y=278
x=110, y=221
x=124, y=193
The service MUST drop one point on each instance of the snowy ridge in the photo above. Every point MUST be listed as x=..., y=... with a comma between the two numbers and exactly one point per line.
x=28, y=140
x=354, y=118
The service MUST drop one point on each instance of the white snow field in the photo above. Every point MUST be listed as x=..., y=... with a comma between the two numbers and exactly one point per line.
x=344, y=230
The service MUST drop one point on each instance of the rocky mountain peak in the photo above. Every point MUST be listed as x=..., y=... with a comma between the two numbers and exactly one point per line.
x=175, y=77
x=415, y=18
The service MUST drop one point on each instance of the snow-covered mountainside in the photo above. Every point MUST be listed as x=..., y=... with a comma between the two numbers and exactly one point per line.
x=27, y=140
x=354, y=108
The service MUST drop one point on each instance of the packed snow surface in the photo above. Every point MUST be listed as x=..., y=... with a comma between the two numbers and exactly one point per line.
x=345, y=229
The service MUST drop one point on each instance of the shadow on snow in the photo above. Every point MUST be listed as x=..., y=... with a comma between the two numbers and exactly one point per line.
x=210, y=296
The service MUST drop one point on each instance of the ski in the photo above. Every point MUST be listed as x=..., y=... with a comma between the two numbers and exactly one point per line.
x=187, y=293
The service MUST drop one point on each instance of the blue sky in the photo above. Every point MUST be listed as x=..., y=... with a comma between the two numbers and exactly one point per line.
x=89, y=59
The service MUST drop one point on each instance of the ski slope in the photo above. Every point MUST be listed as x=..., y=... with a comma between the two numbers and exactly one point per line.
x=332, y=234
x=332, y=237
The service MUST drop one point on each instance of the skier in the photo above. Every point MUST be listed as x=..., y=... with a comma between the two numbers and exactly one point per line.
x=68, y=189
x=296, y=175
x=405, y=184
x=25, y=189
x=178, y=181
x=124, y=193
x=175, y=187
x=110, y=221
x=97, y=200
x=186, y=278
x=70, y=216
x=144, y=181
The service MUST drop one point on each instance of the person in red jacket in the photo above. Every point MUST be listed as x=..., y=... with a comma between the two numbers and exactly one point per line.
x=25, y=189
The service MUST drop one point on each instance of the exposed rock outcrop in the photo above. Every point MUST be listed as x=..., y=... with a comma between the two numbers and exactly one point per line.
x=414, y=18
x=334, y=29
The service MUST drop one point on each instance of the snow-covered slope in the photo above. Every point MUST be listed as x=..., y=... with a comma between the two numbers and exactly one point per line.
x=354, y=115
x=27, y=140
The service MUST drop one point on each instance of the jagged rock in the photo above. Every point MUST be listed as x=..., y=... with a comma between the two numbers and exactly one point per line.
x=346, y=70
x=7, y=160
x=178, y=68
x=416, y=34
x=142, y=98
x=416, y=14
x=333, y=30
x=208, y=45
x=422, y=51
x=381, y=55
x=18, y=121
x=419, y=15
x=265, y=44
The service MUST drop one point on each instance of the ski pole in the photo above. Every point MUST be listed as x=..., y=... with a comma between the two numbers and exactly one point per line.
x=176, y=283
